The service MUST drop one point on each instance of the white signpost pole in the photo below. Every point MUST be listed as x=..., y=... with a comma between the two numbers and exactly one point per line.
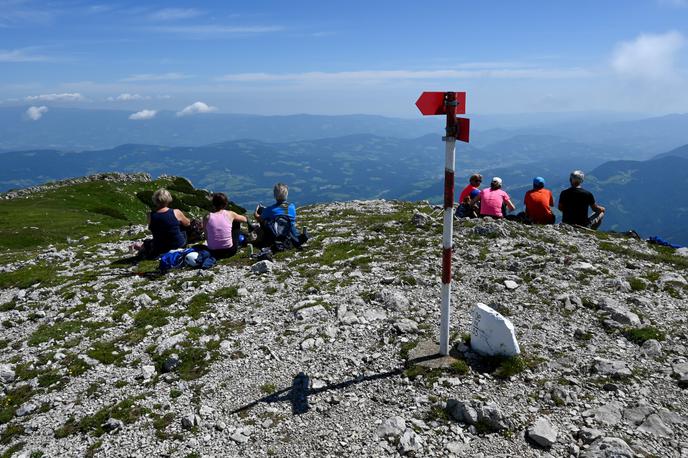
x=448, y=230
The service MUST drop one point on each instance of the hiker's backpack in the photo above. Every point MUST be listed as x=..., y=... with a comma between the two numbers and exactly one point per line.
x=173, y=259
x=281, y=235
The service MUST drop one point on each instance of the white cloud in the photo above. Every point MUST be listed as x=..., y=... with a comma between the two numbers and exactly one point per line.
x=195, y=108
x=381, y=75
x=174, y=14
x=126, y=97
x=64, y=97
x=36, y=113
x=143, y=115
x=21, y=55
x=156, y=77
x=211, y=30
x=649, y=56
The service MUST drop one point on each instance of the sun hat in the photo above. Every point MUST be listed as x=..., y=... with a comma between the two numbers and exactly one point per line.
x=496, y=180
x=192, y=259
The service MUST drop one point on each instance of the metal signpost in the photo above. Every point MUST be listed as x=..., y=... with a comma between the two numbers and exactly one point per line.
x=451, y=104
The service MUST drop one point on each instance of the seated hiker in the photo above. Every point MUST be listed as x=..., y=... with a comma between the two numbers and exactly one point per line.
x=492, y=199
x=574, y=203
x=538, y=202
x=281, y=209
x=166, y=224
x=469, y=207
x=221, y=228
x=473, y=185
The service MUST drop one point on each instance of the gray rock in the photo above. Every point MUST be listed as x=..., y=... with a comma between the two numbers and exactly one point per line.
x=7, y=374
x=25, y=409
x=394, y=300
x=409, y=442
x=510, y=284
x=392, y=427
x=462, y=411
x=420, y=219
x=608, y=447
x=112, y=424
x=637, y=414
x=589, y=435
x=651, y=348
x=491, y=417
x=618, y=313
x=190, y=420
x=262, y=267
x=148, y=372
x=488, y=229
x=654, y=425
x=240, y=436
x=308, y=313
x=220, y=425
x=612, y=368
x=543, y=433
x=406, y=326
x=608, y=414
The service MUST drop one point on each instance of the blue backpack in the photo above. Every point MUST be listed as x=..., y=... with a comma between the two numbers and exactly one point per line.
x=281, y=234
x=173, y=259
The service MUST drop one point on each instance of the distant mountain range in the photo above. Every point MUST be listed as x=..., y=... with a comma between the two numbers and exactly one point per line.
x=70, y=129
x=366, y=165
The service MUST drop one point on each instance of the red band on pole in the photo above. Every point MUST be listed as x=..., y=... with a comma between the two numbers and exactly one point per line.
x=446, y=265
x=448, y=188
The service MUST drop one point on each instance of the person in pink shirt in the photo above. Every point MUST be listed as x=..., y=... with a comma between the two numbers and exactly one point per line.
x=222, y=228
x=492, y=200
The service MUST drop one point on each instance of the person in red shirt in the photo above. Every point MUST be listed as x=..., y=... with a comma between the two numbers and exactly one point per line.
x=538, y=202
x=473, y=184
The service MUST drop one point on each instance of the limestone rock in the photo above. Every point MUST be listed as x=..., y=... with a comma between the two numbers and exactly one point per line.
x=612, y=368
x=491, y=333
x=263, y=267
x=654, y=425
x=6, y=373
x=392, y=427
x=543, y=433
x=608, y=447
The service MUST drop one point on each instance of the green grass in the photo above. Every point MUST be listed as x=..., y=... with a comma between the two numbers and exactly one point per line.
x=49, y=217
x=268, y=388
x=128, y=411
x=43, y=273
x=640, y=335
x=106, y=353
x=197, y=305
x=637, y=284
x=12, y=431
x=229, y=292
x=664, y=255
x=12, y=400
x=153, y=316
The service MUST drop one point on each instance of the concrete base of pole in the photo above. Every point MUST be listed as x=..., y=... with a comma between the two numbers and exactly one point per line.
x=427, y=354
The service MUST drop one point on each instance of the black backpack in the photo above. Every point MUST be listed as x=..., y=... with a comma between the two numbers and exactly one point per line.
x=280, y=234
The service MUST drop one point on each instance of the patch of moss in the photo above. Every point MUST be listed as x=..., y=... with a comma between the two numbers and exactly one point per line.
x=126, y=411
x=229, y=292
x=637, y=284
x=24, y=277
x=197, y=305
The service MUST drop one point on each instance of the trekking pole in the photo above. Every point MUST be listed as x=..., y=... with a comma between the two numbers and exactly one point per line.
x=448, y=229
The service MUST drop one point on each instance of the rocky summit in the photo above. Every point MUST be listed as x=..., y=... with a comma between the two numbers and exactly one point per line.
x=312, y=354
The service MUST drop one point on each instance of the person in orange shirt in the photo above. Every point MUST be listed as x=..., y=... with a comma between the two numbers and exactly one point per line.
x=538, y=202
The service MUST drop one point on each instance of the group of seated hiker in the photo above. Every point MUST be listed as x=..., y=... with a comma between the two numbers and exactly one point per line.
x=221, y=228
x=574, y=202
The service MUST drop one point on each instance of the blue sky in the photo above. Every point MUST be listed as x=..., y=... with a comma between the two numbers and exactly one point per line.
x=276, y=57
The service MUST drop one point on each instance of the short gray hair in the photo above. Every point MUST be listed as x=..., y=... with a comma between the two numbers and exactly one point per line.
x=280, y=191
x=576, y=177
x=161, y=198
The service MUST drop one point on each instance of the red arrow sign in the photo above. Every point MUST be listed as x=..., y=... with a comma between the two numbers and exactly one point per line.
x=432, y=103
x=463, y=129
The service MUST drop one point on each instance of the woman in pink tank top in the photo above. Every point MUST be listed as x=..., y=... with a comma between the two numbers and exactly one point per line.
x=222, y=227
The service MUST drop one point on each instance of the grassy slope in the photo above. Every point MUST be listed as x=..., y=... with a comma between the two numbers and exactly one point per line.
x=86, y=209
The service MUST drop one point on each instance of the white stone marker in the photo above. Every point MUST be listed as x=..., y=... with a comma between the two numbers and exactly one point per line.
x=492, y=334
